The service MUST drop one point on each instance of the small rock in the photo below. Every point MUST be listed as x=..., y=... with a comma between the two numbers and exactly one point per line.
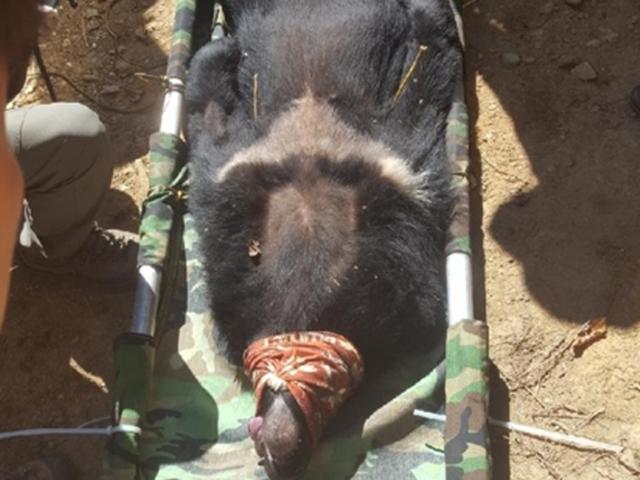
x=141, y=34
x=593, y=43
x=135, y=97
x=476, y=11
x=609, y=36
x=573, y=3
x=529, y=60
x=567, y=61
x=91, y=12
x=584, y=72
x=511, y=59
x=110, y=90
x=66, y=43
x=93, y=24
x=547, y=8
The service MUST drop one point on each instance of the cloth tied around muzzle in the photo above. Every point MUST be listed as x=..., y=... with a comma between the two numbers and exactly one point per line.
x=319, y=369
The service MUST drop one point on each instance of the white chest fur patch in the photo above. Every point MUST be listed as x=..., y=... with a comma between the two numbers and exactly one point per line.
x=311, y=127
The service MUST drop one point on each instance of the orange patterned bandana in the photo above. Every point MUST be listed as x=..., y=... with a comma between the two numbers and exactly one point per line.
x=320, y=370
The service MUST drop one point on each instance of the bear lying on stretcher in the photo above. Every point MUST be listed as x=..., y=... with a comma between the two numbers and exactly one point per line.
x=320, y=189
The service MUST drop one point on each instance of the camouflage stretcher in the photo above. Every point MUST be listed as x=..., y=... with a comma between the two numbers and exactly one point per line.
x=192, y=406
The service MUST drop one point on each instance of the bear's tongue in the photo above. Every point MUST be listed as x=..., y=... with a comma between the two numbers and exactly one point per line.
x=255, y=424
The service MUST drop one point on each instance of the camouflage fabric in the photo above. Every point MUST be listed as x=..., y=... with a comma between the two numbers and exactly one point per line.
x=181, y=39
x=196, y=423
x=194, y=406
x=467, y=391
x=166, y=182
x=134, y=355
x=458, y=152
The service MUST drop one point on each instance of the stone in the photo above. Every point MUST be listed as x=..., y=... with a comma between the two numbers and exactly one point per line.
x=567, y=61
x=511, y=59
x=608, y=35
x=141, y=34
x=593, y=43
x=91, y=12
x=585, y=72
x=110, y=90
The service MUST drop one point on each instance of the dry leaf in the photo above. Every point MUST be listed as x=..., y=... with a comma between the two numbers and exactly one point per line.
x=254, y=249
x=591, y=332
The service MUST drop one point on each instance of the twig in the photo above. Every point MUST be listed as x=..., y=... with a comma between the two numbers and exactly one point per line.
x=149, y=78
x=256, y=100
x=590, y=418
x=506, y=174
x=553, y=363
x=139, y=65
x=557, y=424
x=422, y=49
x=628, y=464
x=535, y=397
x=469, y=3
x=552, y=471
x=83, y=26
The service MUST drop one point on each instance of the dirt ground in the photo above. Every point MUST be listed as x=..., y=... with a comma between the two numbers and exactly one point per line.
x=556, y=218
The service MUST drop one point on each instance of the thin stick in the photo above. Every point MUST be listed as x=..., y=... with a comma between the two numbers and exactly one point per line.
x=255, y=96
x=571, y=440
x=83, y=25
x=422, y=49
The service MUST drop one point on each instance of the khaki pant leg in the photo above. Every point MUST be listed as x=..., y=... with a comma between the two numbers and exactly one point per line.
x=67, y=164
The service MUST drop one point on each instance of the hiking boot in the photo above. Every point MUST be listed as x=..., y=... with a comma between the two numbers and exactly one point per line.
x=107, y=256
x=635, y=99
x=50, y=468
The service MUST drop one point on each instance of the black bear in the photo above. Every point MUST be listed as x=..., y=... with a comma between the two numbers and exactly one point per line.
x=321, y=189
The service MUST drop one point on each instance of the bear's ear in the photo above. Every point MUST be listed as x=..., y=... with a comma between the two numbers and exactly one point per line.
x=211, y=87
x=433, y=22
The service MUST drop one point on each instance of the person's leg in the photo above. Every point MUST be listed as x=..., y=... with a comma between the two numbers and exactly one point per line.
x=66, y=160
x=67, y=166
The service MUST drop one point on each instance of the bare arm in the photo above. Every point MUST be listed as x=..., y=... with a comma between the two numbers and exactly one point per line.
x=11, y=193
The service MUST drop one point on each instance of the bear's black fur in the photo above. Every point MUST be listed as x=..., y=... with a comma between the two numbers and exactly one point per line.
x=338, y=242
